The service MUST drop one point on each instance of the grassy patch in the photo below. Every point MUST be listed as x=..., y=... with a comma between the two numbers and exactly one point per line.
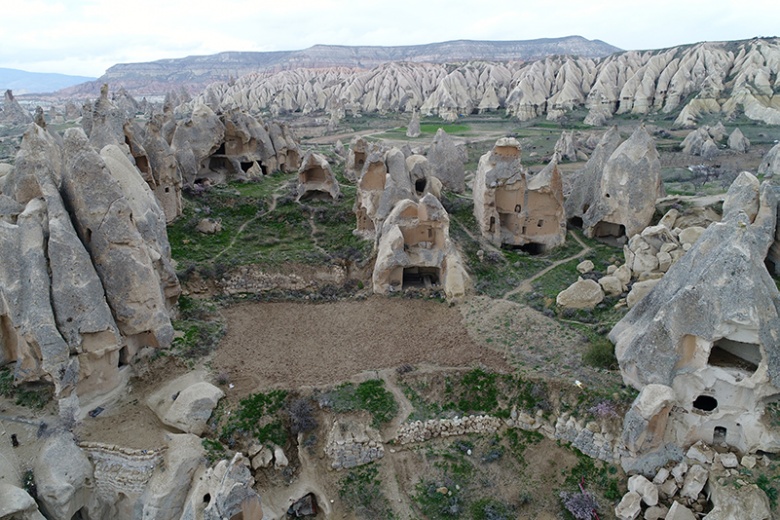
x=200, y=327
x=370, y=396
x=257, y=416
x=361, y=490
x=30, y=395
x=598, y=477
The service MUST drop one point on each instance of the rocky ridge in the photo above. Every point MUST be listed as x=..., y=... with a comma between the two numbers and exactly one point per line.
x=721, y=78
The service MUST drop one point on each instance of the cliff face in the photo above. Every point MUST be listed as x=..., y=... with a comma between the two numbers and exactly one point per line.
x=724, y=78
x=195, y=72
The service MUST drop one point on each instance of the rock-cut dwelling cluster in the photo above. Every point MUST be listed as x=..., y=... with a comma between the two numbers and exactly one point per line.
x=614, y=194
x=702, y=346
x=515, y=208
x=397, y=204
x=92, y=283
x=316, y=179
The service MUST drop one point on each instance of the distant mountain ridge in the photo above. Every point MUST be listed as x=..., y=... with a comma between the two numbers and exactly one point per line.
x=23, y=82
x=196, y=72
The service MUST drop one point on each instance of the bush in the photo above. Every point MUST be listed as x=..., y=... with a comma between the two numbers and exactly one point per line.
x=601, y=354
x=301, y=416
x=580, y=505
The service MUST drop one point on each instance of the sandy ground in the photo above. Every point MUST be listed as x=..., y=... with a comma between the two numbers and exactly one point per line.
x=296, y=344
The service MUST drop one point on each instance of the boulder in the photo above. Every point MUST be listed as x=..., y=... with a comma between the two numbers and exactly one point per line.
x=695, y=479
x=679, y=512
x=630, y=506
x=209, y=226
x=17, y=504
x=728, y=460
x=611, y=285
x=585, y=266
x=582, y=294
x=645, y=489
x=730, y=502
x=191, y=410
x=639, y=290
x=63, y=477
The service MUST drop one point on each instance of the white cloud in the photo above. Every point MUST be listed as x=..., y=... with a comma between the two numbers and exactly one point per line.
x=88, y=36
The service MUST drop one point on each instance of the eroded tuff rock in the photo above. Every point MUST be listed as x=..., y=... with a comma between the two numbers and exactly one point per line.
x=388, y=177
x=447, y=160
x=13, y=114
x=415, y=250
x=513, y=207
x=413, y=130
x=315, y=177
x=719, y=78
x=738, y=142
x=615, y=193
x=770, y=163
x=708, y=332
x=93, y=282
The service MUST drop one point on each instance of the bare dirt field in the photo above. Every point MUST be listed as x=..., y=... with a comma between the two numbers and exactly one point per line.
x=296, y=344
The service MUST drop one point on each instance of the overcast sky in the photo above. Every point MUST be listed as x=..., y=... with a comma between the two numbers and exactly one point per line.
x=85, y=37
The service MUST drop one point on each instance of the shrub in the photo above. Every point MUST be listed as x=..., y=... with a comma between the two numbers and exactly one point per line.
x=601, y=354
x=301, y=416
x=580, y=505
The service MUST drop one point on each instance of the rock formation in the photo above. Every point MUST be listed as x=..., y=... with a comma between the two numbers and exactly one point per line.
x=413, y=130
x=616, y=196
x=388, y=178
x=770, y=163
x=701, y=346
x=316, y=177
x=165, y=171
x=738, y=142
x=13, y=114
x=711, y=78
x=515, y=208
x=415, y=250
x=699, y=142
x=356, y=158
x=447, y=160
x=94, y=283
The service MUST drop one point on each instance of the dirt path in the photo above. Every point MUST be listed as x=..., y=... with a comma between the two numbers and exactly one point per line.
x=526, y=285
x=484, y=244
x=258, y=215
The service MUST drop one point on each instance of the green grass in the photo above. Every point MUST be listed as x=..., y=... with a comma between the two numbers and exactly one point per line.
x=597, y=476
x=200, y=328
x=370, y=396
x=257, y=416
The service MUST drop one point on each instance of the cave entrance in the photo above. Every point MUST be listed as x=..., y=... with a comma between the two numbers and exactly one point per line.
x=719, y=435
x=575, y=222
x=420, y=277
x=705, y=403
x=419, y=186
x=532, y=248
x=606, y=229
x=728, y=353
x=246, y=166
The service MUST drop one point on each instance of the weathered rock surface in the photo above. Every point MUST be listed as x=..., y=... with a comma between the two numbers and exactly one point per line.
x=83, y=228
x=413, y=130
x=710, y=323
x=513, y=207
x=447, y=160
x=227, y=488
x=316, y=177
x=738, y=142
x=737, y=503
x=770, y=163
x=415, y=248
x=63, y=476
x=582, y=294
x=17, y=504
x=13, y=114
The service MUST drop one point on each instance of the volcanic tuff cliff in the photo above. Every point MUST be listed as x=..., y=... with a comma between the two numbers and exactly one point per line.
x=712, y=77
x=159, y=77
